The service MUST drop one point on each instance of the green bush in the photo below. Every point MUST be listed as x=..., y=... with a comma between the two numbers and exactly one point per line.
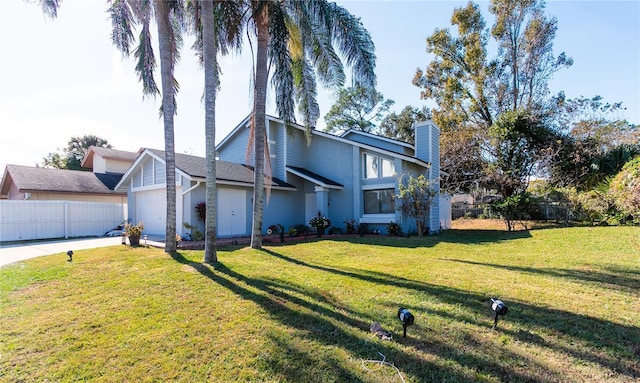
x=394, y=229
x=518, y=207
x=350, y=226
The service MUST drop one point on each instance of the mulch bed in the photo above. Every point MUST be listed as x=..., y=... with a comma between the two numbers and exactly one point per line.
x=245, y=241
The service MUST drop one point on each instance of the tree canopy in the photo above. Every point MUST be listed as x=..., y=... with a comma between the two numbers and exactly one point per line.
x=400, y=126
x=71, y=157
x=593, y=143
x=473, y=90
x=357, y=108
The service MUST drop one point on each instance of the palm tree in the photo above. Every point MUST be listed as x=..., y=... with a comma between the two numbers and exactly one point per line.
x=296, y=37
x=169, y=17
x=210, y=83
x=213, y=36
x=125, y=14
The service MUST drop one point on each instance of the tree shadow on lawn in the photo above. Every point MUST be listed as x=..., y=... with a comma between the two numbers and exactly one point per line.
x=316, y=322
x=449, y=236
x=611, y=345
x=616, y=278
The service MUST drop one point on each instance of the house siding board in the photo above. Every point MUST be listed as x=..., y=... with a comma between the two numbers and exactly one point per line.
x=160, y=173
x=277, y=144
x=137, y=178
x=296, y=146
x=147, y=172
x=235, y=149
x=334, y=160
x=382, y=144
x=281, y=209
x=191, y=199
x=435, y=219
x=422, y=143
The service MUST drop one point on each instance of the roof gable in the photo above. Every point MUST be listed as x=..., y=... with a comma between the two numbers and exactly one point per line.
x=194, y=167
x=107, y=153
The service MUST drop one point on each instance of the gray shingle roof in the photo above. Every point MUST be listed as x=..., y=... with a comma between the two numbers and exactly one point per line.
x=225, y=171
x=30, y=179
x=115, y=154
x=317, y=178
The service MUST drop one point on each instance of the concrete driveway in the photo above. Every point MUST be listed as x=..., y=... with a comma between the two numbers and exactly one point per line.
x=18, y=252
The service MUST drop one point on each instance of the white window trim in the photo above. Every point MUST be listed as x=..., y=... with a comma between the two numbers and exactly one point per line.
x=379, y=186
x=377, y=218
x=380, y=158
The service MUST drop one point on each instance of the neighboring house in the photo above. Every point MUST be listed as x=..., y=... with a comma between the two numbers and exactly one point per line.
x=108, y=161
x=348, y=177
x=34, y=183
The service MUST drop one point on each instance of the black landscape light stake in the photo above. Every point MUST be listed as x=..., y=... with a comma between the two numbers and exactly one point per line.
x=70, y=254
x=406, y=318
x=499, y=308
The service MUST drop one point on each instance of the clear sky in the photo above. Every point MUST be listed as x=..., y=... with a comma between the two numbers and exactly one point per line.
x=61, y=78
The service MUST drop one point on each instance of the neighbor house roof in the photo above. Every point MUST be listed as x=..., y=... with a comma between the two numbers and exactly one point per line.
x=29, y=180
x=196, y=167
x=111, y=154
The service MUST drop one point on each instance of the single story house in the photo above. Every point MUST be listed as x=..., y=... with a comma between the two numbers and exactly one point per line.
x=347, y=177
x=35, y=183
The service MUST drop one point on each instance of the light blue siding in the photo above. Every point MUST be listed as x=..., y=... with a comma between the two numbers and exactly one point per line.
x=336, y=160
x=389, y=145
x=235, y=149
x=276, y=148
x=296, y=147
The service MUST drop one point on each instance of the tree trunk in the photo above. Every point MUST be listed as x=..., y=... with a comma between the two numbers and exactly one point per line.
x=259, y=117
x=209, y=53
x=166, y=74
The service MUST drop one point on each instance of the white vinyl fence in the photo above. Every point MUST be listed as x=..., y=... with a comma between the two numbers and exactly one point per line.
x=25, y=220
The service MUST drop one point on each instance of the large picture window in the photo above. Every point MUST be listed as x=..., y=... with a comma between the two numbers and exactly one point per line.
x=378, y=167
x=379, y=201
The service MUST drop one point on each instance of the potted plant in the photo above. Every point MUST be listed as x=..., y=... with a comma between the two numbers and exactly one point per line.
x=320, y=223
x=134, y=232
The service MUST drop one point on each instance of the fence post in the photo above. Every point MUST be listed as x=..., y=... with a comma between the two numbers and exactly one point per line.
x=66, y=220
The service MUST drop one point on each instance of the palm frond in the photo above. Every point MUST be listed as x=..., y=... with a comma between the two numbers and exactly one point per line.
x=354, y=43
x=146, y=62
x=280, y=58
x=315, y=35
x=122, y=23
x=306, y=94
x=230, y=21
x=50, y=7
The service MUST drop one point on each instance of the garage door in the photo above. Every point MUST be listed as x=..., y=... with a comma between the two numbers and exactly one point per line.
x=151, y=209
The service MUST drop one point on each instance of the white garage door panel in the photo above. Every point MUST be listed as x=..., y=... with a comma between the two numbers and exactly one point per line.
x=151, y=209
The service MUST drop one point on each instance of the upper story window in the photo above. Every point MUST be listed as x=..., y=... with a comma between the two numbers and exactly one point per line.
x=378, y=167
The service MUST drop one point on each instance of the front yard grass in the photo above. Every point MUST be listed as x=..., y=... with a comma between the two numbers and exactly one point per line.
x=301, y=312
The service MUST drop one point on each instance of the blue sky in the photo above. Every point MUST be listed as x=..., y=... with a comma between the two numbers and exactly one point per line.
x=62, y=78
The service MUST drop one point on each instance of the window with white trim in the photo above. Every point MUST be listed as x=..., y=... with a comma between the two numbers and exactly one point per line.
x=378, y=167
x=379, y=201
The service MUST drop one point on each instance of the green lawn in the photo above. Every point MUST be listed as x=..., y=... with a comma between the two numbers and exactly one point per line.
x=301, y=312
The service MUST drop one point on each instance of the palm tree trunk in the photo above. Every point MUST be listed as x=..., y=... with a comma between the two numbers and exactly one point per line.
x=209, y=50
x=259, y=117
x=166, y=75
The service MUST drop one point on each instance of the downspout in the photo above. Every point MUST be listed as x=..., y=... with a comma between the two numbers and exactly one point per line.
x=192, y=188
